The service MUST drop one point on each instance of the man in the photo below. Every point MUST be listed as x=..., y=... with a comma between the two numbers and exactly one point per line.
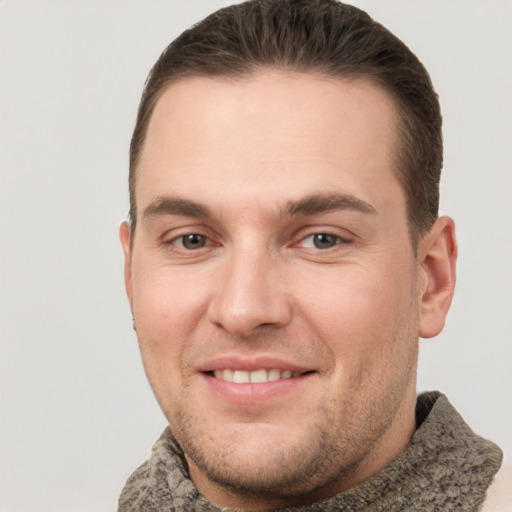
x=283, y=256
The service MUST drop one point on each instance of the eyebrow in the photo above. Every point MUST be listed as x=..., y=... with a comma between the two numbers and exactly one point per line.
x=175, y=206
x=310, y=205
x=320, y=203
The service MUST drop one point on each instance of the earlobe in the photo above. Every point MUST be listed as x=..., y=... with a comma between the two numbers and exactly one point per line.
x=437, y=255
x=125, y=237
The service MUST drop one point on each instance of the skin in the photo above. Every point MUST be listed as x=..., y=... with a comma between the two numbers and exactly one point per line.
x=257, y=167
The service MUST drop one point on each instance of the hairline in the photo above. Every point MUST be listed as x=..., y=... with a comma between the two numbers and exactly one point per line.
x=401, y=131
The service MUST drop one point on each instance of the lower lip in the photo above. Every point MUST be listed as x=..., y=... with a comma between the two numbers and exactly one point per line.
x=253, y=394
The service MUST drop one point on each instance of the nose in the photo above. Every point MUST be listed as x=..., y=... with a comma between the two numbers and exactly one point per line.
x=250, y=295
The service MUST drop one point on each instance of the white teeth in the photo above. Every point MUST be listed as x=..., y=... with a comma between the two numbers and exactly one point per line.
x=274, y=374
x=254, y=377
x=259, y=376
x=241, y=377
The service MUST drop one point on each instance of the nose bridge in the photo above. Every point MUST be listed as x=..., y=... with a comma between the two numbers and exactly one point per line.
x=250, y=291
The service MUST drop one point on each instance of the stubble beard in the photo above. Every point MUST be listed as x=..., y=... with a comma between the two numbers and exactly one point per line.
x=310, y=467
x=339, y=440
x=281, y=471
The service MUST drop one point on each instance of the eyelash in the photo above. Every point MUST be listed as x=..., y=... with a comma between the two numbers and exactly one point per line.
x=183, y=238
x=336, y=239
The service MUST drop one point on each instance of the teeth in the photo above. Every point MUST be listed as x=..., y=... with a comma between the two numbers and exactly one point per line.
x=258, y=376
x=254, y=377
x=241, y=377
x=274, y=374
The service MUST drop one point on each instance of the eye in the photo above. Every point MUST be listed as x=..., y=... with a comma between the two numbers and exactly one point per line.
x=322, y=241
x=192, y=241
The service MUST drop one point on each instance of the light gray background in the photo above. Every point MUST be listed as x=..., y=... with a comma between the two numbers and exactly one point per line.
x=77, y=415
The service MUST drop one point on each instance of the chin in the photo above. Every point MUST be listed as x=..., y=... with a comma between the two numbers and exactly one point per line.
x=263, y=459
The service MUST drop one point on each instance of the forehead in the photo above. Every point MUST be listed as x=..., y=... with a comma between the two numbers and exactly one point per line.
x=269, y=135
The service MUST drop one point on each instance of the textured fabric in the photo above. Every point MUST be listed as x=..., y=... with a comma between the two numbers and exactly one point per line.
x=445, y=467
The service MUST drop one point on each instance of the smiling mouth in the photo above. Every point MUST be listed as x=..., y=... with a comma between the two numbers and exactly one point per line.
x=260, y=376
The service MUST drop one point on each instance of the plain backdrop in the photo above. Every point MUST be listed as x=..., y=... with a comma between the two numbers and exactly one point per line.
x=77, y=415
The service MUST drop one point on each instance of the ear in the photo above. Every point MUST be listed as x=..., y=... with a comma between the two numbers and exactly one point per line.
x=125, y=237
x=437, y=257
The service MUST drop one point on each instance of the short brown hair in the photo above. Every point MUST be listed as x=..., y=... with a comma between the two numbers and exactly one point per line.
x=321, y=36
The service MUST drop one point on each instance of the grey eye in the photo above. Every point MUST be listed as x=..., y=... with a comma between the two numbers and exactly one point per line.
x=324, y=240
x=193, y=241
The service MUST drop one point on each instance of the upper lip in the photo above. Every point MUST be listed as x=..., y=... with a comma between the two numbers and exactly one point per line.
x=251, y=364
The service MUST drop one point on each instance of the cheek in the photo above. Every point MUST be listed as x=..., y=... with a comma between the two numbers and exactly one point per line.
x=167, y=308
x=357, y=313
x=165, y=295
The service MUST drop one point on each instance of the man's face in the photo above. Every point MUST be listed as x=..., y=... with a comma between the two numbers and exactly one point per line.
x=272, y=246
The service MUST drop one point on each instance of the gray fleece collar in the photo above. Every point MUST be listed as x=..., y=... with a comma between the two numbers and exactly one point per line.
x=446, y=467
